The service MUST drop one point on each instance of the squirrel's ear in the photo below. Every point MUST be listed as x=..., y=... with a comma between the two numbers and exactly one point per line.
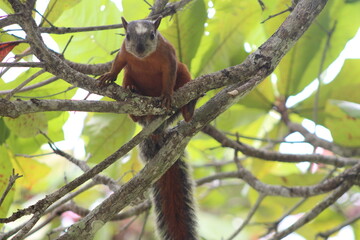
x=157, y=22
x=124, y=22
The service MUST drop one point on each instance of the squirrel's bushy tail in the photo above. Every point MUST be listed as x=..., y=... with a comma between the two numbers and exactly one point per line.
x=172, y=195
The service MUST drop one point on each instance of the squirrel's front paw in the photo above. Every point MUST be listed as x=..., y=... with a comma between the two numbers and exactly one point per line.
x=106, y=79
x=166, y=101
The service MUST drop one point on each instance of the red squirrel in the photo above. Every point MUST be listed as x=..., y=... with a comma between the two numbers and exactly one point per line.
x=150, y=64
x=152, y=69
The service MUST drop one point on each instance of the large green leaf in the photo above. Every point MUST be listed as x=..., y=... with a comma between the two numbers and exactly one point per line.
x=6, y=6
x=58, y=89
x=93, y=46
x=186, y=31
x=343, y=87
x=135, y=10
x=302, y=64
x=55, y=9
x=223, y=44
x=27, y=167
x=105, y=133
x=262, y=97
x=28, y=125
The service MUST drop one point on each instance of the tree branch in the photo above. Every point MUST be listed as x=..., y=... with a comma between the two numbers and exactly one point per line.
x=328, y=201
x=16, y=108
x=276, y=156
x=12, y=179
x=328, y=233
x=319, y=142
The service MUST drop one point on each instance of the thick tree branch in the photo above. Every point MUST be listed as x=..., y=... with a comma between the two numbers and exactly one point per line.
x=16, y=108
x=22, y=64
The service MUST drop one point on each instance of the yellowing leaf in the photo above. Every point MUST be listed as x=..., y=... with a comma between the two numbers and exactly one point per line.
x=33, y=171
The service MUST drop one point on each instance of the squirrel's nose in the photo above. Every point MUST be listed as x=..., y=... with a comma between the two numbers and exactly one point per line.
x=140, y=48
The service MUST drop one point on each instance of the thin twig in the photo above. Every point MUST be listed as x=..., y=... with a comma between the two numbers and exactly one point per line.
x=12, y=179
x=31, y=87
x=289, y=9
x=328, y=233
x=262, y=139
x=249, y=216
x=47, y=96
x=20, y=86
x=44, y=18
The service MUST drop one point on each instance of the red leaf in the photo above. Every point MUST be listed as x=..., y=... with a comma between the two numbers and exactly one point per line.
x=6, y=47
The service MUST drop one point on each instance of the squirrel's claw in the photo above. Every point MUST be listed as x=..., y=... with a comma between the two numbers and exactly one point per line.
x=106, y=79
x=166, y=101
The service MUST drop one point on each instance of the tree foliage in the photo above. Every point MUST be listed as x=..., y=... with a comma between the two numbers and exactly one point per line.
x=248, y=63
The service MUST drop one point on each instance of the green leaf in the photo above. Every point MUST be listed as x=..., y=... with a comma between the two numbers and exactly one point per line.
x=238, y=116
x=350, y=108
x=106, y=133
x=343, y=87
x=55, y=9
x=186, y=30
x=28, y=125
x=4, y=131
x=6, y=6
x=135, y=10
x=344, y=128
x=27, y=167
x=5, y=173
x=92, y=46
x=262, y=97
x=56, y=90
x=225, y=35
x=302, y=64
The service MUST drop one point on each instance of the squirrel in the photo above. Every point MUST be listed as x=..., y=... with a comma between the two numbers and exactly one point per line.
x=152, y=69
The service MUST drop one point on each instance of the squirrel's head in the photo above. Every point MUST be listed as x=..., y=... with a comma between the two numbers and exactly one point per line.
x=141, y=36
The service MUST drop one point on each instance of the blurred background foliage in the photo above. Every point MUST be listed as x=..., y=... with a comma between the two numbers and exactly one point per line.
x=209, y=35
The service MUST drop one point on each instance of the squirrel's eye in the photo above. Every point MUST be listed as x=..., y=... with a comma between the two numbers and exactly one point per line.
x=128, y=37
x=152, y=35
